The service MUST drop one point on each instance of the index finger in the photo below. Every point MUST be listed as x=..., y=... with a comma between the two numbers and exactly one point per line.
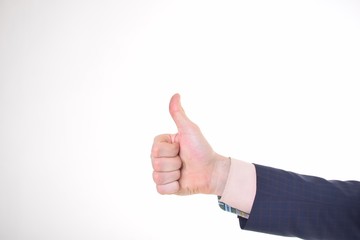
x=164, y=146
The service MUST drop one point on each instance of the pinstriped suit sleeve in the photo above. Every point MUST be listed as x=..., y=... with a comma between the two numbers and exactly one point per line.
x=307, y=207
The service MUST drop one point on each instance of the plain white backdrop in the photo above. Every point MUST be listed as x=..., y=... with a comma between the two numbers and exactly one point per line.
x=85, y=87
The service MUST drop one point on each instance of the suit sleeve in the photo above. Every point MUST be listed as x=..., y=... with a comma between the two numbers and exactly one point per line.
x=307, y=207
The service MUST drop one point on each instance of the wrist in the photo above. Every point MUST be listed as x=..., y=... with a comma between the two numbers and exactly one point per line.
x=220, y=174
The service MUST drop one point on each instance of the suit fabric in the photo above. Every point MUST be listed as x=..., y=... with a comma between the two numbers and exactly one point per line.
x=307, y=207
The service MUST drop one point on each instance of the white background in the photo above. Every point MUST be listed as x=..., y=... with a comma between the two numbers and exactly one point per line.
x=85, y=86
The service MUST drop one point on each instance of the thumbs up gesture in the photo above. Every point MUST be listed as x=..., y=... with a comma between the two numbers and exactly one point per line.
x=184, y=163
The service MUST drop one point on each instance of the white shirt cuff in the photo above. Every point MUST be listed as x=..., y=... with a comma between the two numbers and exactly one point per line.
x=240, y=188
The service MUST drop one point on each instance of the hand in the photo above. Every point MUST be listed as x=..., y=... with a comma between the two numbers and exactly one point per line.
x=184, y=163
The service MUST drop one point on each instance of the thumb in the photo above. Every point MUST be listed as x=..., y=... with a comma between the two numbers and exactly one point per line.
x=178, y=113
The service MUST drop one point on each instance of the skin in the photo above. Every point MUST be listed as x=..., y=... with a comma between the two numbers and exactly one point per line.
x=184, y=163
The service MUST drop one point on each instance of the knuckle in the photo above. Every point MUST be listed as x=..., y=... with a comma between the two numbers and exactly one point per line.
x=155, y=150
x=157, y=138
x=194, y=126
x=156, y=177
x=157, y=164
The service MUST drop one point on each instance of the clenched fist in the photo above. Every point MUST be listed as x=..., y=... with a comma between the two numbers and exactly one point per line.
x=184, y=163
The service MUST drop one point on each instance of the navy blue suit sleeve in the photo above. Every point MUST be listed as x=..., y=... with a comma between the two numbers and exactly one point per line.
x=307, y=207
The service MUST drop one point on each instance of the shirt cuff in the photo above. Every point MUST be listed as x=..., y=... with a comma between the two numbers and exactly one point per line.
x=230, y=209
x=240, y=189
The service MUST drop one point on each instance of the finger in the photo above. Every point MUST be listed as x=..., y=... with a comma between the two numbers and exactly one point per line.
x=161, y=178
x=178, y=113
x=166, y=164
x=170, y=188
x=163, y=138
x=165, y=149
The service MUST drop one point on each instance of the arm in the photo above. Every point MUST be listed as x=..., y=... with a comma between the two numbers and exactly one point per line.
x=307, y=207
x=279, y=202
x=291, y=204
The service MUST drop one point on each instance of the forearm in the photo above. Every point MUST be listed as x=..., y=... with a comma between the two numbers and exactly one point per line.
x=308, y=207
